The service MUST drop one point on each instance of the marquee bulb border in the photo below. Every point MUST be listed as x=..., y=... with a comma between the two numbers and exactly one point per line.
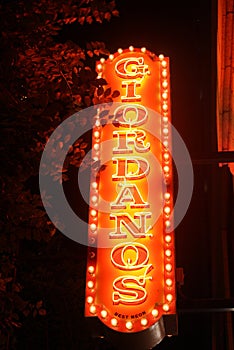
x=169, y=304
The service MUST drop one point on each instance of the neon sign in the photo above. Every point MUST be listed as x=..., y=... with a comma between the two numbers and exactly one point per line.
x=130, y=269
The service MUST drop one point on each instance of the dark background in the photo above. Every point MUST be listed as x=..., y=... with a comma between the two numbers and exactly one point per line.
x=186, y=32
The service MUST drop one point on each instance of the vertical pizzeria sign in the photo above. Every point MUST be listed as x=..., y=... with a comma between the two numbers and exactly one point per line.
x=130, y=279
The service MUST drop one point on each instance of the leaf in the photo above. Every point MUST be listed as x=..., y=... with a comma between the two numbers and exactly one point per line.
x=107, y=92
x=103, y=113
x=100, y=91
x=104, y=51
x=89, y=19
x=39, y=304
x=75, y=78
x=16, y=324
x=115, y=93
x=77, y=143
x=103, y=167
x=97, y=52
x=84, y=145
x=87, y=101
x=101, y=82
x=115, y=13
x=42, y=312
x=108, y=99
x=30, y=52
x=73, y=20
x=95, y=100
x=116, y=123
x=107, y=16
x=81, y=20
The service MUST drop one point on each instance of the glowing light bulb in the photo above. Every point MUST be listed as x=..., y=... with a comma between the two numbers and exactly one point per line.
x=96, y=146
x=93, y=212
x=165, y=95
x=166, y=158
x=165, y=142
x=99, y=66
x=166, y=307
x=129, y=325
x=114, y=322
x=165, y=107
x=111, y=57
x=93, y=227
x=168, y=253
x=89, y=300
x=164, y=73
x=167, y=210
x=168, y=267
x=131, y=48
x=164, y=84
x=168, y=282
x=166, y=169
x=168, y=240
x=120, y=50
x=144, y=322
x=94, y=199
x=91, y=269
x=155, y=312
x=90, y=284
x=104, y=313
x=169, y=297
x=92, y=309
x=97, y=123
x=165, y=131
x=167, y=195
x=143, y=49
x=164, y=63
x=96, y=134
x=94, y=185
x=161, y=57
x=167, y=223
x=102, y=60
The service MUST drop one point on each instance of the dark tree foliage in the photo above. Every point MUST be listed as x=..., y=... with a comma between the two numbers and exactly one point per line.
x=43, y=81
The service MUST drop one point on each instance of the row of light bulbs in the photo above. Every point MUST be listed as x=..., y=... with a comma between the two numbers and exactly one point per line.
x=155, y=313
x=166, y=160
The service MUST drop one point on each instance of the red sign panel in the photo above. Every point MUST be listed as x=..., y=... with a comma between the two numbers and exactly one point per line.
x=130, y=280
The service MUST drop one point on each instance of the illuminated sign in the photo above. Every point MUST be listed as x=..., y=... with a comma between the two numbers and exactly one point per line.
x=130, y=281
